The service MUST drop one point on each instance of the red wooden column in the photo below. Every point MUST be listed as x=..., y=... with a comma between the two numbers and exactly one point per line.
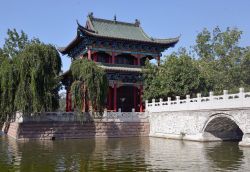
x=110, y=98
x=135, y=98
x=139, y=60
x=110, y=58
x=141, y=107
x=115, y=97
x=113, y=58
x=89, y=54
x=135, y=61
x=95, y=57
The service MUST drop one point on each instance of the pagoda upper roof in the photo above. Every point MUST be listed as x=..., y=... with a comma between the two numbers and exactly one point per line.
x=114, y=29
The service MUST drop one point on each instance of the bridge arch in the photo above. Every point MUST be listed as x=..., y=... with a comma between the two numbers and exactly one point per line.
x=221, y=127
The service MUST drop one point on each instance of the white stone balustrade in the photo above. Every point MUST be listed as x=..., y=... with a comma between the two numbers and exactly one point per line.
x=225, y=101
x=83, y=117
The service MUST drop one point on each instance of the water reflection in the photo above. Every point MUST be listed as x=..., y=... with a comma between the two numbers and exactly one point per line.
x=73, y=155
x=225, y=155
x=121, y=154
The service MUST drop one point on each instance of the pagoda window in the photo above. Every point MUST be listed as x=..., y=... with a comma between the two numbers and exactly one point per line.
x=125, y=59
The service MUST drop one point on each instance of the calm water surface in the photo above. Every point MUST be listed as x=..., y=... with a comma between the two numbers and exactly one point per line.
x=126, y=154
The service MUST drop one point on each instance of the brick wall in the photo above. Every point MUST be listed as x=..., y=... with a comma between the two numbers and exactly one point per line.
x=67, y=130
x=12, y=129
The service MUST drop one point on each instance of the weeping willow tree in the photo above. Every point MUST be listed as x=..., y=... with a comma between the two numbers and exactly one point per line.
x=8, y=85
x=39, y=68
x=29, y=76
x=90, y=85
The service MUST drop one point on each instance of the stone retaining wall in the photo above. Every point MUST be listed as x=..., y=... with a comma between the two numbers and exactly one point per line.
x=75, y=130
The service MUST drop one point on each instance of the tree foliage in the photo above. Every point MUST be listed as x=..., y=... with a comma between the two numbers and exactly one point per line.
x=90, y=84
x=219, y=63
x=152, y=87
x=15, y=42
x=178, y=75
x=221, y=58
x=38, y=87
x=8, y=86
x=29, y=71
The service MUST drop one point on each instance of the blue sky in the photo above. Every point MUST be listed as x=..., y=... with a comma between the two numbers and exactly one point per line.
x=54, y=21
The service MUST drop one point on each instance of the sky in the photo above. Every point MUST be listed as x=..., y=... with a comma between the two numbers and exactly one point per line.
x=54, y=21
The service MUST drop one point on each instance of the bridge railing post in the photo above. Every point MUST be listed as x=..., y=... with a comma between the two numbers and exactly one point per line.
x=187, y=101
x=169, y=101
x=178, y=99
x=153, y=102
x=187, y=98
x=241, y=93
x=225, y=94
x=199, y=97
x=198, y=100
x=211, y=96
x=160, y=102
x=146, y=104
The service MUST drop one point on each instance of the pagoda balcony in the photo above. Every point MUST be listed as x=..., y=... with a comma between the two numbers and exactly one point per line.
x=120, y=67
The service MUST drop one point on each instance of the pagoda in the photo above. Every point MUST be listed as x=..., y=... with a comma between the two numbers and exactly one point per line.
x=121, y=49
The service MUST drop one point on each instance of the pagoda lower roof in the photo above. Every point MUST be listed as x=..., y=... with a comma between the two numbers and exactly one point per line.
x=120, y=67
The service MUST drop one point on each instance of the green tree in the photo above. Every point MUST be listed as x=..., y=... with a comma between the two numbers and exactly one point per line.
x=178, y=75
x=152, y=88
x=8, y=85
x=9, y=74
x=90, y=84
x=15, y=42
x=245, y=68
x=29, y=75
x=220, y=56
x=39, y=68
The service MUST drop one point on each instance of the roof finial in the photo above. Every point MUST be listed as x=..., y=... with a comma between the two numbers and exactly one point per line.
x=137, y=22
x=115, y=17
x=91, y=15
x=77, y=23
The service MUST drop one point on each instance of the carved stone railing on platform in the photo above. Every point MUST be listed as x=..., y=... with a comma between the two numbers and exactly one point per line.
x=225, y=101
x=82, y=117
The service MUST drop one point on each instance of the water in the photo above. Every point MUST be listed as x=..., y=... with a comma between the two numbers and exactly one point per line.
x=121, y=154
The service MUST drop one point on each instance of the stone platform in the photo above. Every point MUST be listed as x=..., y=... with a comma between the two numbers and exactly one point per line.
x=70, y=126
x=76, y=130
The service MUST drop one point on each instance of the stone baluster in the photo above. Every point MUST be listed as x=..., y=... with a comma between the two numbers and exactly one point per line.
x=211, y=96
x=146, y=104
x=187, y=98
x=153, y=102
x=160, y=102
x=199, y=97
x=169, y=100
x=178, y=99
x=241, y=93
x=225, y=94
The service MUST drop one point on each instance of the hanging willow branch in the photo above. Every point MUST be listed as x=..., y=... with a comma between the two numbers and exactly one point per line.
x=29, y=71
x=38, y=88
x=90, y=84
x=8, y=86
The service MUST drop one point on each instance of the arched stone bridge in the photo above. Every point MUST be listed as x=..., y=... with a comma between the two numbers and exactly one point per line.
x=213, y=118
